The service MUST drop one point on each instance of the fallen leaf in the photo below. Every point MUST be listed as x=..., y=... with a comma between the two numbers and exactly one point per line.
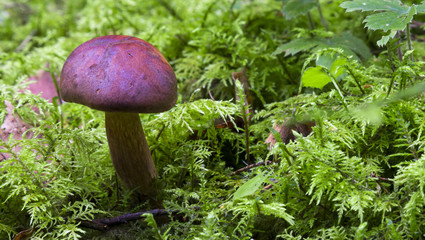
x=25, y=234
x=43, y=83
x=13, y=124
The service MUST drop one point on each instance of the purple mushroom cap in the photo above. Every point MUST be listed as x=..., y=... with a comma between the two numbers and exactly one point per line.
x=118, y=73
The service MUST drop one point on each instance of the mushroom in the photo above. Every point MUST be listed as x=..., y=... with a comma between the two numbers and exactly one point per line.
x=122, y=76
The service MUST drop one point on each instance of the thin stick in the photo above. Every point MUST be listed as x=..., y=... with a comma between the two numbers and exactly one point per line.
x=211, y=96
x=106, y=223
x=251, y=166
x=380, y=178
x=160, y=132
x=350, y=71
x=379, y=183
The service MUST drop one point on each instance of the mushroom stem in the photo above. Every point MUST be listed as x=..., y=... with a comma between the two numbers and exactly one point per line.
x=130, y=152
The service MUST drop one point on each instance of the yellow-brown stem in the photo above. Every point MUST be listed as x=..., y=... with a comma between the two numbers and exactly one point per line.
x=130, y=151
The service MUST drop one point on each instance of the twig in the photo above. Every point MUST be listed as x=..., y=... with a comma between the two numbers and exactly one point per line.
x=383, y=187
x=380, y=178
x=379, y=183
x=350, y=71
x=160, y=132
x=106, y=223
x=251, y=166
x=269, y=186
x=211, y=96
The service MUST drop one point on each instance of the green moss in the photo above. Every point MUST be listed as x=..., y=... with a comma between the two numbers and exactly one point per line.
x=357, y=175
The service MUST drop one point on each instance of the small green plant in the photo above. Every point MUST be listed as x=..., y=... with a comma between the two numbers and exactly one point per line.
x=393, y=16
x=293, y=8
x=358, y=174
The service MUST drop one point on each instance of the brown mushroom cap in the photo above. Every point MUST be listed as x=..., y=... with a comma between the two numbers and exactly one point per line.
x=118, y=73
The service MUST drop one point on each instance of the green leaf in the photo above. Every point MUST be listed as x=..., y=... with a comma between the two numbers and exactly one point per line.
x=393, y=16
x=349, y=43
x=298, y=45
x=250, y=186
x=390, y=20
x=315, y=77
x=332, y=62
x=421, y=7
x=374, y=5
x=150, y=220
x=294, y=8
x=277, y=210
x=384, y=40
x=326, y=60
x=337, y=67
